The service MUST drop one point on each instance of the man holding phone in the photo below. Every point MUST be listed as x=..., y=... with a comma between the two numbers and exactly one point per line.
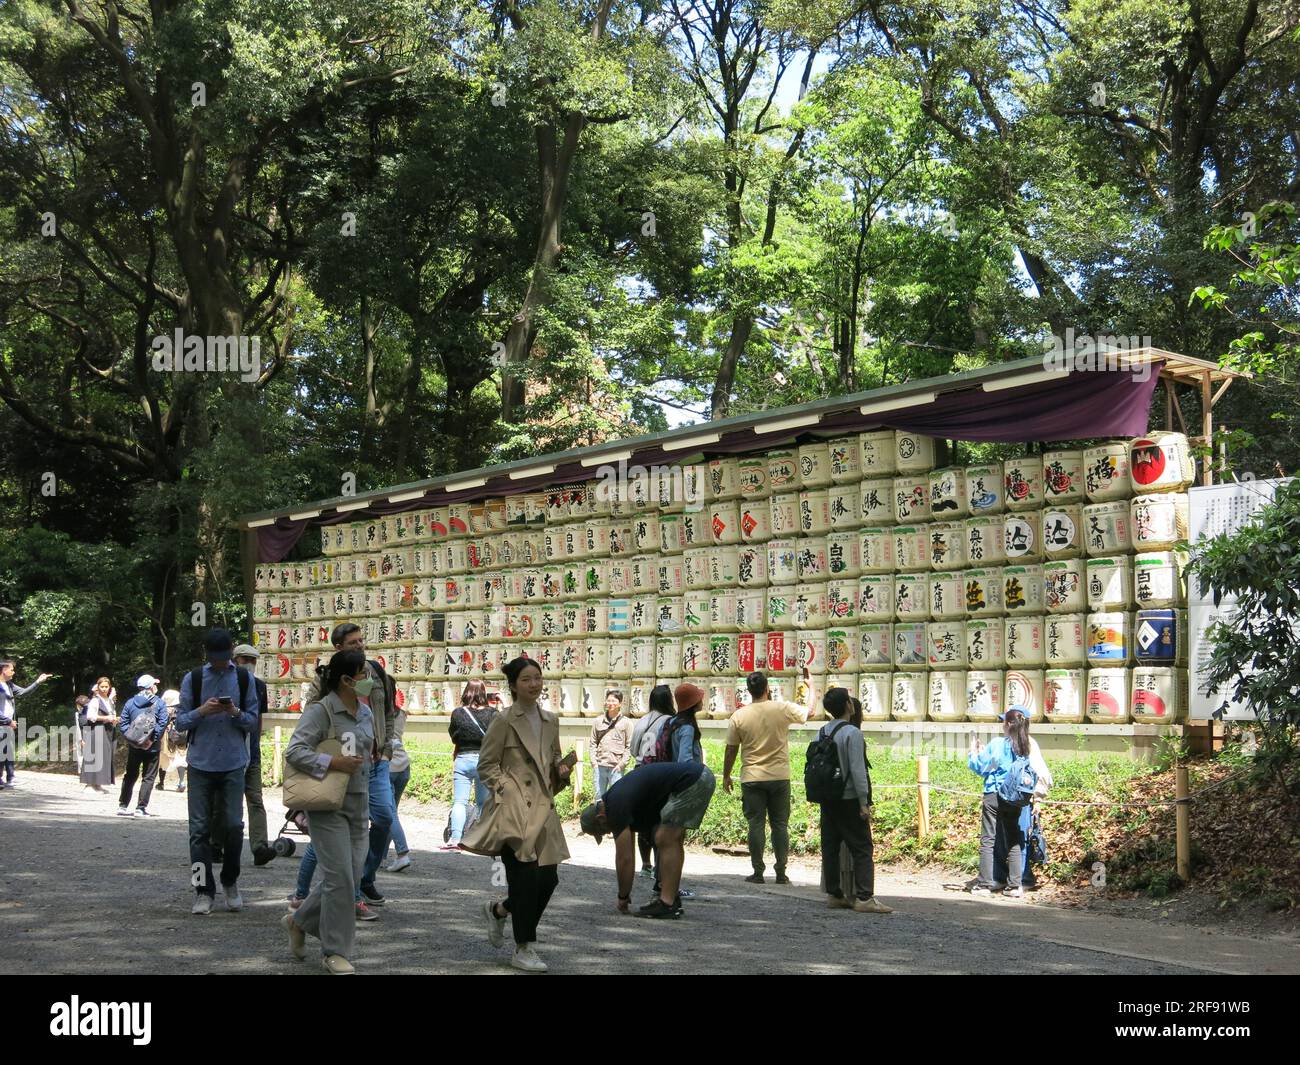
x=220, y=712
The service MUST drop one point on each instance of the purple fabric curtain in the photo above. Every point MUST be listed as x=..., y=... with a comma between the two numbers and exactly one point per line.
x=1080, y=406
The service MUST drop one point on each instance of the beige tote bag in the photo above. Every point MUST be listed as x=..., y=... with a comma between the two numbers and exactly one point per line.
x=302, y=791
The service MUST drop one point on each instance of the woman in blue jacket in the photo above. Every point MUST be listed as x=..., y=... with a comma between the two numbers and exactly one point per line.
x=998, y=820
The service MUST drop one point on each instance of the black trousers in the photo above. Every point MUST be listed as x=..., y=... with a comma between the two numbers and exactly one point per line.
x=136, y=762
x=530, y=887
x=842, y=822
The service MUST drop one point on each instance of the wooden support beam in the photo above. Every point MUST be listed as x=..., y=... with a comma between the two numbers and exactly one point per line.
x=1207, y=424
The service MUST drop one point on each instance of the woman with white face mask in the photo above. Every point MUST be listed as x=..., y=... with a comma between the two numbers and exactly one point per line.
x=340, y=837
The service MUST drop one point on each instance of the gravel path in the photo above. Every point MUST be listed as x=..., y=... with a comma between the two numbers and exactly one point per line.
x=84, y=891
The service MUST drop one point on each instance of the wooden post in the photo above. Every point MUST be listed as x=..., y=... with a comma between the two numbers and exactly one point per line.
x=1182, y=821
x=279, y=758
x=580, y=748
x=922, y=797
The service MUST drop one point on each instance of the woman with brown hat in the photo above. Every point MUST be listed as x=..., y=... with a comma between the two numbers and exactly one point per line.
x=521, y=766
x=682, y=733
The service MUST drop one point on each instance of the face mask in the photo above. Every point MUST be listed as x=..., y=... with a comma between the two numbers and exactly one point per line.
x=364, y=686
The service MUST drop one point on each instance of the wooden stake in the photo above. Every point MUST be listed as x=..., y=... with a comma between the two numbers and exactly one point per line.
x=1182, y=821
x=279, y=760
x=580, y=748
x=922, y=797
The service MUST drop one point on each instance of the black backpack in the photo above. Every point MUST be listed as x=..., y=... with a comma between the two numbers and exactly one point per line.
x=182, y=739
x=823, y=779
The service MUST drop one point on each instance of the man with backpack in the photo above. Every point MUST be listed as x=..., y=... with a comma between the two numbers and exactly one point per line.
x=383, y=705
x=761, y=733
x=142, y=723
x=669, y=797
x=836, y=777
x=218, y=708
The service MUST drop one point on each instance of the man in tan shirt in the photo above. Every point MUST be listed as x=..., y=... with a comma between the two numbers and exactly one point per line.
x=762, y=731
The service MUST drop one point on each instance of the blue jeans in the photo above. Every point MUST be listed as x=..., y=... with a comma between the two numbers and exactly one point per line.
x=399, y=781
x=382, y=812
x=466, y=767
x=606, y=778
x=215, y=797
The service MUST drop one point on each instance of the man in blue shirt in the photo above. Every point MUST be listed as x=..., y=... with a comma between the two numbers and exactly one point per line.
x=220, y=718
x=9, y=716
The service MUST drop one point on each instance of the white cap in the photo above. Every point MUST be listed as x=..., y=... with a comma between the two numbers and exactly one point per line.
x=144, y=680
x=171, y=697
x=245, y=650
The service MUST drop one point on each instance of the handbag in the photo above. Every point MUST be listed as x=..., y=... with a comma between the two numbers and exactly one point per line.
x=302, y=791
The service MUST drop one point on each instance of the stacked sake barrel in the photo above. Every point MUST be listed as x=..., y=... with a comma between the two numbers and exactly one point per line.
x=1049, y=580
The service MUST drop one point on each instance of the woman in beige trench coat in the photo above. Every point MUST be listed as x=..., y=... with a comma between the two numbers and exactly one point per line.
x=521, y=767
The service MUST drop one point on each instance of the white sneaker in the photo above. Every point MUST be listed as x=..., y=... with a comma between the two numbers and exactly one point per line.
x=202, y=905
x=1014, y=893
x=235, y=901
x=982, y=892
x=496, y=926
x=526, y=958
x=122, y=811
x=402, y=861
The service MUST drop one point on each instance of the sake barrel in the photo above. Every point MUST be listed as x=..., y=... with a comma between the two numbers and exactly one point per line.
x=645, y=534
x=620, y=538
x=1065, y=640
x=813, y=558
x=755, y=520
x=620, y=617
x=532, y=547
x=985, y=492
x=948, y=497
x=571, y=698
x=947, y=545
x=947, y=593
x=985, y=643
x=724, y=517
x=876, y=597
x=911, y=644
x=645, y=574
x=723, y=481
x=723, y=653
x=751, y=566
x=695, y=655
x=843, y=557
x=1023, y=641
x=782, y=651
x=1106, y=472
x=1107, y=701
x=695, y=485
x=1160, y=638
x=572, y=621
x=751, y=652
x=947, y=695
x=911, y=693
x=1110, y=638
x=1062, y=531
x=695, y=611
x=724, y=563
x=876, y=549
x=1063, y=476
x=984, y=694
x=911, y=547
x=620, y=576
x=1022, y=538
x=724, y=610
x=550, y=654
x=553, y=543
x=1159, y=695
x=911, y=499
x=597, y=534
x=668, y=655
x=720, y=698
x=552, y=583
x=1159, y=521
x=620, y=658
x=845, y=460
x=842, y=602
x=843, y=504
x=874, y=695
x=696, y=530
x=842, y=649
x=913, y=453
x=595, y=617
x=780, y=605
x=814, y=512
x=1106, y=528
x=1022, y=482
x=751, y=477
x=1063, y=696
x=522, y=622
x=814, y=465
x=695, y=566
x=876, y=501
x=808, y=608
x=574, y=544
x=782, y=562
x=1158, y=579
x=876, y=647
x=1024, y=687
x=458, y=517
x=946, y=644
x=643, y=619
x=911, y=596
x=597, y=660
x=571, y=580
x=672, y=575
x=641, y=655
x=671, y=539
x=671, y=613
x=1063, y=587
x=783, y=471
x=509, y=549
x=1022, y=589
x=638, y=695
x=985, y=540
x=783, y=513
x=876, y=453
x=1110, y=583
x=1161, y=462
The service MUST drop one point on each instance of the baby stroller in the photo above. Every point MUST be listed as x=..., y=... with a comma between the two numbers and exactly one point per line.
x=295, y=824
